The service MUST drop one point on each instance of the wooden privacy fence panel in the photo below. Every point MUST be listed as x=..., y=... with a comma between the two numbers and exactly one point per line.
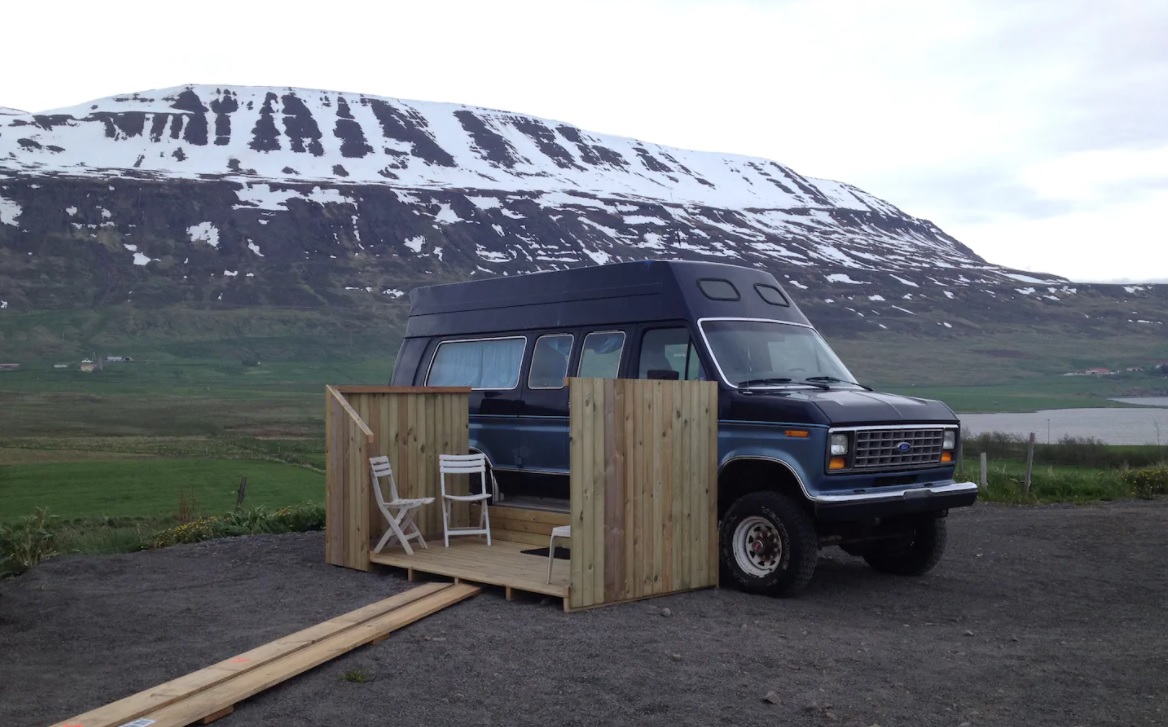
x=644, y=488
x=410, y=425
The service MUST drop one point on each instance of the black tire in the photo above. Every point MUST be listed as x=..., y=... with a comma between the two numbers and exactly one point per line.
x=913, y=555
x=784, y=562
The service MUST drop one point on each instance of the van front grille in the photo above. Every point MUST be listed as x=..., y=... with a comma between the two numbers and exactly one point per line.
x=892, y=448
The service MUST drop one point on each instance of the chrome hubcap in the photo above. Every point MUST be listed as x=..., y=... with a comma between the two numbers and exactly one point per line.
x=758, y=548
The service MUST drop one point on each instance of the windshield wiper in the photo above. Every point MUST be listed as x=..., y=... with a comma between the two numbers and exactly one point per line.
x=834, y=380
x=761, y=382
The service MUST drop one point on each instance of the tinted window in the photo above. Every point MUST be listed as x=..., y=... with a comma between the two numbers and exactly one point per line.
x=668, y=353
x=549, y=362
x=600, y=357
x=483, y=364
x=718, y=289
x=771, y=294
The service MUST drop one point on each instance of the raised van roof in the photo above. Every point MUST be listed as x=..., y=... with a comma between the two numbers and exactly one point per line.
x=599, y=295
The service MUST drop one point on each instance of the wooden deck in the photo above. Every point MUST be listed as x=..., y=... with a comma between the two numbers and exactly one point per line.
x=470, y=559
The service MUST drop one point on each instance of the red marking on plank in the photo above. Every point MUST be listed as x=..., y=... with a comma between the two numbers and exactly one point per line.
x=239, y=659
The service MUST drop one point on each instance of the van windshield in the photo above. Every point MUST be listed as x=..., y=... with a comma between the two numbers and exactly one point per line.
x=769, y=353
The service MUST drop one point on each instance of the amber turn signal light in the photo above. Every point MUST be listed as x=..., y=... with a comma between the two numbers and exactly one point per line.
x=837, y=463
x=946, y=456
x=801, y=433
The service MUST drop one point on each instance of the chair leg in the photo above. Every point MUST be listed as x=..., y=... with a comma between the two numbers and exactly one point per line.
x=384, y=540
x=410, y=528
x=551, y=556
x=446, y=522
x=486, y=522
x=395, y=523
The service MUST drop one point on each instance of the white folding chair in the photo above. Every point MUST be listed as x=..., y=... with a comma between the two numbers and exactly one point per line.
x=464, y=464
x=398, y=512
x=560, y=531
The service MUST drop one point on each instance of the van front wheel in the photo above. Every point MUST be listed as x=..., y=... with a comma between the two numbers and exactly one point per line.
x=768, y=544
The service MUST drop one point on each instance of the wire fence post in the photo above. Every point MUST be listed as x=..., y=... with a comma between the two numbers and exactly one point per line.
x=983, y=482
x=1029, y=464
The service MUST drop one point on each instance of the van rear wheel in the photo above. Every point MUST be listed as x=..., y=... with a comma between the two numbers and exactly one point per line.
x=768, y=544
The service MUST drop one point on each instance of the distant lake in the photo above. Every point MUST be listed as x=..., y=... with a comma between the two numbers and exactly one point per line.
x=1145, y=425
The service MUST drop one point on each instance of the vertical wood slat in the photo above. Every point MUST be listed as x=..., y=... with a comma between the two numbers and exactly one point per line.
x=411, y=428
x=614, y=500
x=643, y=488
x=710, y=470
x=578, y=521
x=648, y=447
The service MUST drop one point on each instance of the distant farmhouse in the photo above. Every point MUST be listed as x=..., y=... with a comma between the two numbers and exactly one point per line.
x=9, y=366
x=88, y=365
x=119, y=359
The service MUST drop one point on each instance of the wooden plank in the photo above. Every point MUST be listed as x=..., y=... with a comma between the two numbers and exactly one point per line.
x=663, y=488
x=682, y=453
x=350, y=411
x=334, y=484
x=402, y=389
x=527, y=539
x=363, y=498
x=648, y=552
x=576, y=490
x=517, y=526
x=587, y=494
x=628, y=432
x=500, y=564
x=614, y=526
x=217, y=715
x=599, y=481
x=548, y=518
x=710, y=464
x=253, y=681
x=136, y=705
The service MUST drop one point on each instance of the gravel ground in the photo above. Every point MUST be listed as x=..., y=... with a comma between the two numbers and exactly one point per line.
x=1036, y=616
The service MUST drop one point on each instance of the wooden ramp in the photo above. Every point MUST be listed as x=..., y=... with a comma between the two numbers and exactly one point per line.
x=213, y=692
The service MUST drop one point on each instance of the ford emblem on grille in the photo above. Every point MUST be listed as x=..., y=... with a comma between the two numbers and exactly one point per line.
x=904, y=448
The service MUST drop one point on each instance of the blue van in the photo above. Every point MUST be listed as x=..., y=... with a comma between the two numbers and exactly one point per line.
x=808, y=457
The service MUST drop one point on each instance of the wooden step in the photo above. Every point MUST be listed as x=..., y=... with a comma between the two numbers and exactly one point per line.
x=213, y=691
x=528, y=526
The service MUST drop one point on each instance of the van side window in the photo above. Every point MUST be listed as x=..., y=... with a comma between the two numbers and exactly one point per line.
x=549, y=361
x=491, y=363
x=600, y=358
x=669, y=353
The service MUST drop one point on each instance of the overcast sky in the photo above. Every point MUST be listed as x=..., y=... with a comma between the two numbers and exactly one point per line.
x=1034, y=131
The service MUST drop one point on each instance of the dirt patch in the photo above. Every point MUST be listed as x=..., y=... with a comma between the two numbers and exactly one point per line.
x=1036, y=616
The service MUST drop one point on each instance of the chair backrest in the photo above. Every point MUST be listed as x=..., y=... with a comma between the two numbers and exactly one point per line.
x=463, y=464
x=381, y=468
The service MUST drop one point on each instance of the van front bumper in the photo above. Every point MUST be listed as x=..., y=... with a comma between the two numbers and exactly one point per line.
x=894, y=501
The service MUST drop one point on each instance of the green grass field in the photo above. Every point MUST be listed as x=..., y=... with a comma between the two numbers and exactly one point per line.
x=151, y=488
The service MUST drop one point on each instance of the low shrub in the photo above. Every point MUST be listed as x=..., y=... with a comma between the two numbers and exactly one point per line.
x=300, y=518
x=1147, y=482
x=26, y=542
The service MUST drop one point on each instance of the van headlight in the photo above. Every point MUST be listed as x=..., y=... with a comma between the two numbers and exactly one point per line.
x=839, y=445
x=949, y=439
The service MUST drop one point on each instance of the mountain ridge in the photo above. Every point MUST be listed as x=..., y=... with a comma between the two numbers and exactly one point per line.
x=230, y=196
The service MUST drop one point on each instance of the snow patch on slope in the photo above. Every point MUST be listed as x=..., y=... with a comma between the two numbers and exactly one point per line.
x=204, y=232
x=265, y=197
x=9, y=211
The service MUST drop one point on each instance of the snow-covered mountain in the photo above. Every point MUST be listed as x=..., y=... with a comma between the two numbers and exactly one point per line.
x=252, y=195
